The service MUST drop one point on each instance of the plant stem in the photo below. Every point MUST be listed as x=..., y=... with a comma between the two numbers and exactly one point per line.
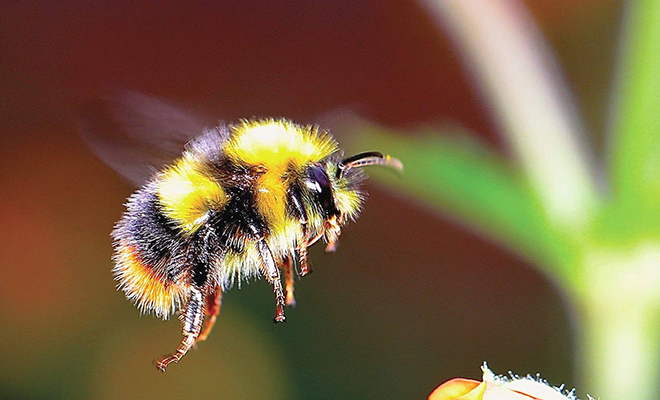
x=618, y=346
x=518, y=76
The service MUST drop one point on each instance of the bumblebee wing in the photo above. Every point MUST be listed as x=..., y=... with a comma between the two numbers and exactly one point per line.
x=136, y=134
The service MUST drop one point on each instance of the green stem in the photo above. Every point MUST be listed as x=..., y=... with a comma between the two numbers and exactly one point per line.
x=509, y=58
x=619, y=350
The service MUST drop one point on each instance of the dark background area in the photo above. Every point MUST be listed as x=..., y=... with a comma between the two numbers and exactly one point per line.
x=411, y=299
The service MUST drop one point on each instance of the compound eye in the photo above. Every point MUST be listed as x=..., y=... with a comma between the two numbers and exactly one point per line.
x=319, y=184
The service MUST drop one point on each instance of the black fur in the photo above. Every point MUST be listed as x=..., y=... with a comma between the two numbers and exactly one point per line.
x=164, y=247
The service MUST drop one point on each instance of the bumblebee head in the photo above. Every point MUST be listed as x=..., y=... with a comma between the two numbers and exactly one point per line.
x=334, y=185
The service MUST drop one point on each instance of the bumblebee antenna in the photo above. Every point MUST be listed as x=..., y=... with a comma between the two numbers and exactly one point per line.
x=368, y=158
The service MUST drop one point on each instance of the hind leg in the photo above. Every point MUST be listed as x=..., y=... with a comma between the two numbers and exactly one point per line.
x=191, y=320
x=213, y=303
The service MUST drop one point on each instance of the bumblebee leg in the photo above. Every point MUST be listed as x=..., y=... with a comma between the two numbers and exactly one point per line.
x=302, y=254
x=272, y=273
x=192, y=320
x=213, y=303
x=287, y=265
x=298, y=211
x=304, y=263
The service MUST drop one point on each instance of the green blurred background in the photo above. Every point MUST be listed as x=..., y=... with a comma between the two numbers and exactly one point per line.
x=410, y=299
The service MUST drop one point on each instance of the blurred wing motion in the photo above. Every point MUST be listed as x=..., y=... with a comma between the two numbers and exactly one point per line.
x=136, y=134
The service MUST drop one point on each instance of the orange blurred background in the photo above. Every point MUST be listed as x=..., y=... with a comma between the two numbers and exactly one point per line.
x=409, y=300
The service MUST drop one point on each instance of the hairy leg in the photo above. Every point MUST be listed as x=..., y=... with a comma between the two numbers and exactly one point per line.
x=191, y=321
x=272, y=274
x=304, y=263
x=287, y=266
x=213, y=303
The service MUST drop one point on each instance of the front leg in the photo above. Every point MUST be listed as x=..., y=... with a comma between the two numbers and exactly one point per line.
x=191, y=321
x=297, y=210
x=272, y=274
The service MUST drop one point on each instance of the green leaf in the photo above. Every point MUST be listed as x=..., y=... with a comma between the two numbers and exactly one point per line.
x=635, y=163
x=467, y=182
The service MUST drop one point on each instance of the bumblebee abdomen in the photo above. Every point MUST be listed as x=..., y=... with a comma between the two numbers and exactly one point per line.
x=148, y=255
x=146, y=285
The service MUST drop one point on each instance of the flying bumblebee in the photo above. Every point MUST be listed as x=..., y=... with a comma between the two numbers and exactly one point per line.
x=234, y=202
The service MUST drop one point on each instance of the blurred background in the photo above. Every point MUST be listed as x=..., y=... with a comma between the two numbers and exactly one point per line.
x=410, y=299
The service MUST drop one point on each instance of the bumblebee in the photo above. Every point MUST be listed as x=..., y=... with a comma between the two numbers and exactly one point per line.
x=236, y=202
